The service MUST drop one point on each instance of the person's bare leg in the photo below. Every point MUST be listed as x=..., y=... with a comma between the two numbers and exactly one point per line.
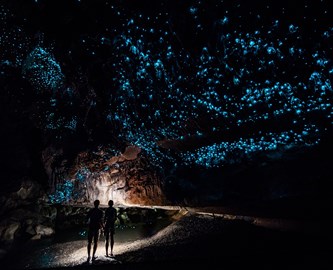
x=95, y=248
x=95, y=244
x=89, y=249
x=107, y=246
x=89, y=245
x=112, y=243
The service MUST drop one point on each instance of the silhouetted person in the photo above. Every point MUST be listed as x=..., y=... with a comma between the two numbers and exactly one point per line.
x=95, y=220
x=109, y=227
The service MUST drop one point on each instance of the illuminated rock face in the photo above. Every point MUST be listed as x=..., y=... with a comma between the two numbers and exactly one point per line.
x=125, y=178
x=123, y=191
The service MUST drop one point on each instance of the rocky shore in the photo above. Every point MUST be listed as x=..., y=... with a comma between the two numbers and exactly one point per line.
x=198, y=239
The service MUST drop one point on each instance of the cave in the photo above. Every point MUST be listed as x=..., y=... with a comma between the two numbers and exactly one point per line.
x=207, y=123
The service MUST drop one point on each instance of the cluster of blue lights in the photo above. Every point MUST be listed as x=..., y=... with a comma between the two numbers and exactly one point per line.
x=82, y=174
x=243, y=79
x=53, y=121
x=251, y=77
x=13, y=41
x=63, y=192
x=231, y=152
x=43, y=71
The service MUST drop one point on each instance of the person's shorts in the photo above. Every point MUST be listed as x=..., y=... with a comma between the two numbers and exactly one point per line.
x=108, y=231
x=93, y=234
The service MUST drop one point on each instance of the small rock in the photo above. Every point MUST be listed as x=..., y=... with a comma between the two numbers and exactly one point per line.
x=44, y=230
x=10, y=232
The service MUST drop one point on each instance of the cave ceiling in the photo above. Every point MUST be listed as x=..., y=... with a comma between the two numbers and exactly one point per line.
x=87, y=86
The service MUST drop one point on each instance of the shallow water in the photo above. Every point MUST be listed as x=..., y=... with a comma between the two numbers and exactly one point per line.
x=69, y=248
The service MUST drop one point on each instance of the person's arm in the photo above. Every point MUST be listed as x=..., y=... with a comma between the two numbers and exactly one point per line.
x=102, y=220
x=88, y=217
x=115, y=214
x=105, y=215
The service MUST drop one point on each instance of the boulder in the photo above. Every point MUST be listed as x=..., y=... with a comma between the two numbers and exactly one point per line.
x=43, y=230
x=11, y=231
x=112, y=161
x=29, y=190
x=131, y=152
x=30, y=230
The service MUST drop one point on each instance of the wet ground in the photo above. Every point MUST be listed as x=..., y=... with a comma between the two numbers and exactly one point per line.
x=196, y=239
x=69, y=248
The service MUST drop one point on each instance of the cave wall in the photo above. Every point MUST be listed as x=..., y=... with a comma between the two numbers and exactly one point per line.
x=127, y=178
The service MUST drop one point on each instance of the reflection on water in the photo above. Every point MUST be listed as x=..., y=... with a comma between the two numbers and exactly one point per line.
x=69, y=247
x=124, y=233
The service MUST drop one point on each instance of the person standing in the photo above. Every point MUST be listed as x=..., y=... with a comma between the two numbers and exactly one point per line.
x=109, y=227
x=95, y=221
